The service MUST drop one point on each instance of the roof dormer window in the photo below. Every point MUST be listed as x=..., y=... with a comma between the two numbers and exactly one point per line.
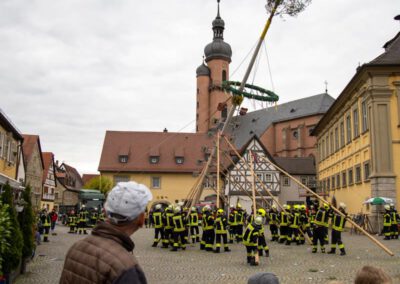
x=154, y=159
x=179, y=160
x=123, y=159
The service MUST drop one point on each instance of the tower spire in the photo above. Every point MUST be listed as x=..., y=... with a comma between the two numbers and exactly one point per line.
x=218, y=16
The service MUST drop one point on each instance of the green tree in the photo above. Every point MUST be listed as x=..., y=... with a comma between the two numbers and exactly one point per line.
x=5, y=232
x=103, y=184
x=13, y=253
x=26, y=219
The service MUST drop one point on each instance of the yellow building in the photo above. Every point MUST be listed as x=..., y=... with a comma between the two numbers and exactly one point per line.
x=359, y=137
x=11, y=166
x=167, y=163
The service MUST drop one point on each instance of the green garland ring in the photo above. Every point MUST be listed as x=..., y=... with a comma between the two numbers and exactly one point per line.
x=267, y=95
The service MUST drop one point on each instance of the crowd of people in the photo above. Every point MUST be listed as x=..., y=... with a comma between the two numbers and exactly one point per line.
x=174, y=226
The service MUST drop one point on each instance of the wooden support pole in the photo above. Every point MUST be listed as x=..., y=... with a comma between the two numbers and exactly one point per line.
x=375, y=241
x=218, y=170
x=253, y=185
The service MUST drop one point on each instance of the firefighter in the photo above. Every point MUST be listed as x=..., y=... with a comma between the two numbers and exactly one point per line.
x=46, y=222
x=262, y=242
x=321, y=224
x=82, y=217
x=185, y=212
x=338, y=223
x=179, y=230
x=239, y=219
x=158, y=225
x=305, y=224
x=168, y=226
x=283, y=224
x=220, y=231
x=72, y=222
x=203, y=225
x=94, y=217
x=194, y=225
x=250, y=239
x=209, y=233
x=387, y=222
x=395, y=220
x=273, y=222
x=232, y=223
x=295, y=225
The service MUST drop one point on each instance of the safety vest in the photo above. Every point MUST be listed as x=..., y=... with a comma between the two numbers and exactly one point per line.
x=304, y=220
x=157, y=219
x=296, y=221
x=193, y=219
x=387, y=221
x=321, y=219
x=394, y=217
x=338, y=222
x=94, y=216
x=71, y=220
x=169, y=223
x=284, y=219
x=179, y=226
x=232, y=219
x=208, y=222
x=273, y=218
x=239, y=218
x=250, y=235
x=220, y=225
x=46, y=220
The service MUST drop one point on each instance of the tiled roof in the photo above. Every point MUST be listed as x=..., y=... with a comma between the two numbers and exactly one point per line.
x=257, y=122
x=297, y=166
x=71, y=171
x=6, y=122
x=88, y=177
x=28, y=146
x=48, y=158
x=391, y=54
x=167, y=145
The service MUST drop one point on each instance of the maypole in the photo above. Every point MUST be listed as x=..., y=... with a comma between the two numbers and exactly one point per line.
x=274, y=7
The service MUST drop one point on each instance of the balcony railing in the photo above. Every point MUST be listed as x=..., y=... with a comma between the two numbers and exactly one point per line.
x=48, y=196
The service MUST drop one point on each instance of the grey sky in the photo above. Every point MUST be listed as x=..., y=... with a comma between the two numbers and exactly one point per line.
x=70, y=70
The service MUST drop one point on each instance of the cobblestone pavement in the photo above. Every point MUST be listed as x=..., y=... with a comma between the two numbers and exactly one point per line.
x=292, y=264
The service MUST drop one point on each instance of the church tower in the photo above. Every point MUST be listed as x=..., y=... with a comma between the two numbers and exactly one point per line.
x=212, y=102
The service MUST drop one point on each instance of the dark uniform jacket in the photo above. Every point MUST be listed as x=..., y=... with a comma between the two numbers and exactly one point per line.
x=104, y=257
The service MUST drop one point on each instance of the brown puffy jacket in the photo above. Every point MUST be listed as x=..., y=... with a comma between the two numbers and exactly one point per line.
x=104, y=257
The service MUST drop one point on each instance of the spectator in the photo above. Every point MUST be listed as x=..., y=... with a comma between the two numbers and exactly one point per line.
x=53, y=218
x=107, y=255
x=263, y=278
x=372, y=275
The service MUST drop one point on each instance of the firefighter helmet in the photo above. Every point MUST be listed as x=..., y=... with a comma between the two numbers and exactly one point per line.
x=258, y=220
x=261, y=212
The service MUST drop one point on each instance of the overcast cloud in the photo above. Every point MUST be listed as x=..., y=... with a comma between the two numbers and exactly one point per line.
x=70, y=70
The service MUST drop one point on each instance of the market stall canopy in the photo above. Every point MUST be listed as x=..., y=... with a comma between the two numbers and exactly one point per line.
x=378, y=201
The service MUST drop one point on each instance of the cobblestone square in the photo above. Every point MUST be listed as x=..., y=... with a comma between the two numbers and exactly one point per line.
x=292, y=264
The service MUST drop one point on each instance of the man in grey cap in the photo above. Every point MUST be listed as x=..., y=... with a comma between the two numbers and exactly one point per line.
x=263, y=278
x=106, y=256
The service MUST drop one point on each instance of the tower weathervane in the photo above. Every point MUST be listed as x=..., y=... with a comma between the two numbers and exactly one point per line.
x=326, y=86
